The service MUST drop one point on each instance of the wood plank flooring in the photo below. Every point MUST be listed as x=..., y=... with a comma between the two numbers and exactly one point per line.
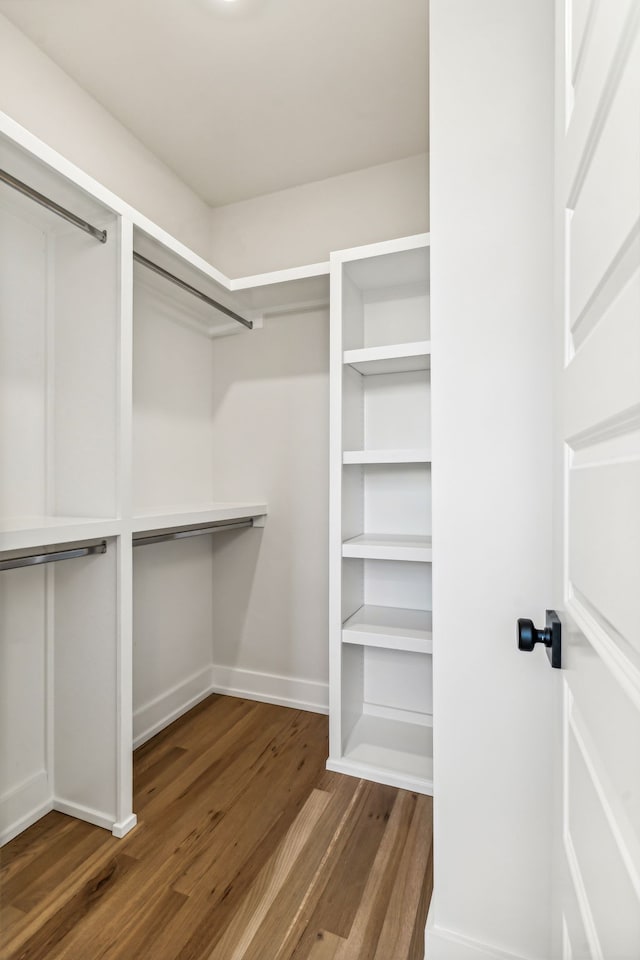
x=246, y=849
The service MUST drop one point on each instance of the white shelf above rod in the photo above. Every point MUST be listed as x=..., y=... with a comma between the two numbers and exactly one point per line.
x=34, y=559
x=156, y=268
x=54, y=207
x=221, y=525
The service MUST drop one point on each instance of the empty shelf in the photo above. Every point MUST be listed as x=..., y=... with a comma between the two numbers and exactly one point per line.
x=393, y=358
x=394, y=628
x=196, y=515
x=380, y=546
x=394, y=751
x=386, y=456
x=19, y=533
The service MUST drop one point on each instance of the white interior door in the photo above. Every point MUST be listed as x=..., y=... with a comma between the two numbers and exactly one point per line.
x=597, y=416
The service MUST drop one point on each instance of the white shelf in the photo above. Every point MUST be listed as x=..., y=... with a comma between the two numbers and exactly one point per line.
x=393, y=628
x=196, y=515
x=380, y=546
x=392, y=358
x=23, y=533
x=386, y=456
x=392, y=749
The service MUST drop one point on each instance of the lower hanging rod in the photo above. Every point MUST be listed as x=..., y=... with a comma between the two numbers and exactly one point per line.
x=187, y=286
x=223, y=525
x=51, y=205
x=35, y=559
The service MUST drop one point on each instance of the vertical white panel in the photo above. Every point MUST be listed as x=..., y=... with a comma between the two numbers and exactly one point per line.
x=22, y=678
x=85, y=374
x=124, y=473
x=352, y=691
x=85, y=684
x=172, y=617
x=173, y=404
x=491, y=126
x=22, y=366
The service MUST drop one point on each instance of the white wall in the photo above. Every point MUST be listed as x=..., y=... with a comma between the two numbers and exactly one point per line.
x=36, y=93
x=271, y=442
x=491, y=178
x=303, y=224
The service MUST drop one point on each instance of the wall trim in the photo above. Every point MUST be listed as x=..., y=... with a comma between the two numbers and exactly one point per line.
x=444, y=944
x=154, y=716
x=121, y=829
x=32, y=795
x=80, y=812
x=292, y=692
x=295, y=692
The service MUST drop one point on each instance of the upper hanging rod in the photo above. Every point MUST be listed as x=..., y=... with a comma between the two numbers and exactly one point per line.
x=194, y=532
x=34, y=559
x=187, y=286
x=28, y=191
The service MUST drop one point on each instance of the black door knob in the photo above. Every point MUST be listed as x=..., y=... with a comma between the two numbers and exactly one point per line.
x=550, y=637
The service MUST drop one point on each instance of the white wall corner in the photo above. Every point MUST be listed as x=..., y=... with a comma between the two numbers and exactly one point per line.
x=270, y=688
x=157, y=714
x=33, y=796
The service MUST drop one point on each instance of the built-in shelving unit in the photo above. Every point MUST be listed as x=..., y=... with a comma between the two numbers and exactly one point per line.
x=106, y=439
x=381, y=640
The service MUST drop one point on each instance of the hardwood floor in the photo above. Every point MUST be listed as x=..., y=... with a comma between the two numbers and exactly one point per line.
x=246, y=849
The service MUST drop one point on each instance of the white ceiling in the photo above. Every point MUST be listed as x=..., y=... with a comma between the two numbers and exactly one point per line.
x=245, y=98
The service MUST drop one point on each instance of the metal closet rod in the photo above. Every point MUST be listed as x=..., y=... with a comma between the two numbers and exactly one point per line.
x=196, y=532
x=32, y=560
x=51, y=205
x=187, y=286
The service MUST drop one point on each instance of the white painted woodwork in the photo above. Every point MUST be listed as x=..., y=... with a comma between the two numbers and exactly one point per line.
x=491, y=75
x=99, y=442
x=386, y=456
x=85, y=691
x=384, y=546
x=390, y=358
x=380, y=527
x=196, y=516
x=389, y=627
x=143, y=423
x=596, y=904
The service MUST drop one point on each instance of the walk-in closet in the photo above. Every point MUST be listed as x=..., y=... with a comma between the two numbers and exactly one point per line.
x=116, y=512
x=216, y=685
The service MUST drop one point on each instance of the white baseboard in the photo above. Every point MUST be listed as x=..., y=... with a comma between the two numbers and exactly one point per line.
x=365, y=771
x=271, y=688
x=32, y=795
x=81, y=812
x=154, y=716
x=233, y=682
x=121, y=829
x=444, y=944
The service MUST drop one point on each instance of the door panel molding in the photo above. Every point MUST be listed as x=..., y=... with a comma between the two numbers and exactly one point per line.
x=624, y=666
x=626, y=840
